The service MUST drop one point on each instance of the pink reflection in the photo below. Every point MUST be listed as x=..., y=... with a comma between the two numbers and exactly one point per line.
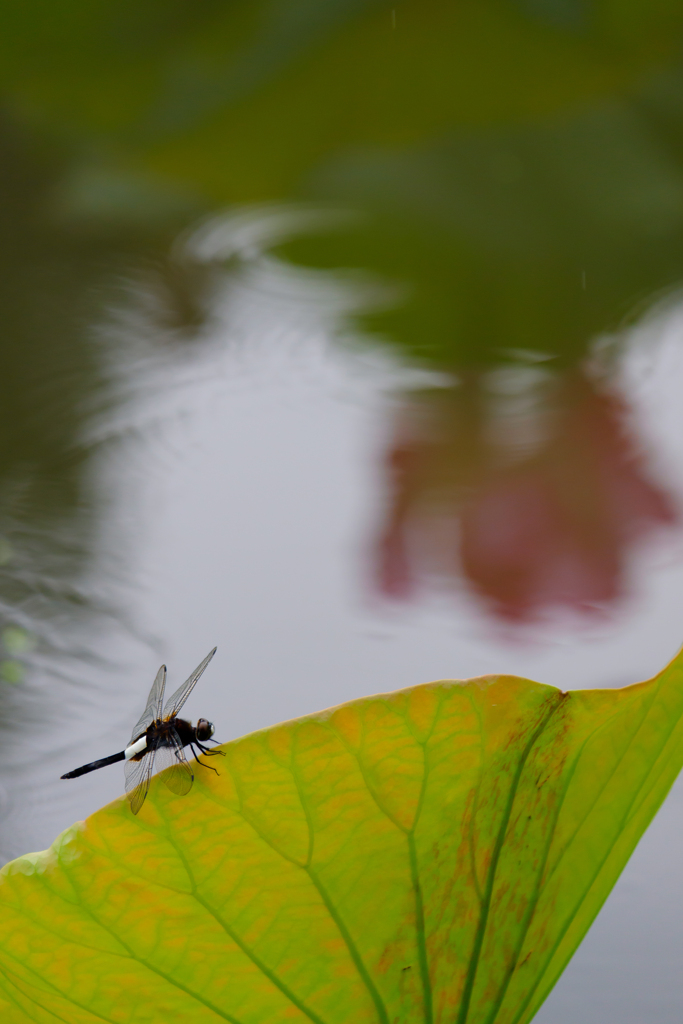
x=533, y=493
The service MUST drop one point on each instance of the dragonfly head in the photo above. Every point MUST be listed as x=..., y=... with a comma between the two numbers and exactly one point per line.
x=204, y=730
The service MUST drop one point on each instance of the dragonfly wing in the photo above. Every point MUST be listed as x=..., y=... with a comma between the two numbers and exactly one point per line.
x=138, y=774
x=171, y=760
x=176, y=700
x=154, y=704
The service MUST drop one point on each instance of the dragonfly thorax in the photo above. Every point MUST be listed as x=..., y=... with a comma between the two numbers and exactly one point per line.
x=163, y=732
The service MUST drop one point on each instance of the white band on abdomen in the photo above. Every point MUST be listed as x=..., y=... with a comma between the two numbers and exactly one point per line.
x=135, y=748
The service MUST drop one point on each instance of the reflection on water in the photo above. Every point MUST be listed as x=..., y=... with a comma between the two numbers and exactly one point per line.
x=435, y=215
x=530, y=485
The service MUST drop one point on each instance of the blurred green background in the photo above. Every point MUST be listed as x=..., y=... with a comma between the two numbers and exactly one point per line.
x=513, y=168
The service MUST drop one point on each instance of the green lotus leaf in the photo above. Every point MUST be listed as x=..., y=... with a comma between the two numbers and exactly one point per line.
x=430, y=855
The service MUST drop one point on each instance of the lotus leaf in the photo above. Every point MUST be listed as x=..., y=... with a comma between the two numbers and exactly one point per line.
x=430, y=855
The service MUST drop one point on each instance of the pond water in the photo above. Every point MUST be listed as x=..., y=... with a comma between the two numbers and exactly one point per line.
x=366, y=410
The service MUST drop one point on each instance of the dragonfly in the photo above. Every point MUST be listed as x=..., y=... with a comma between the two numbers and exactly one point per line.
x=158, y=741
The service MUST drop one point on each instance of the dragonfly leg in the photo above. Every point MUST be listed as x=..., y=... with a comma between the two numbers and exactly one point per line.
x=209, y=753
x=196, y=757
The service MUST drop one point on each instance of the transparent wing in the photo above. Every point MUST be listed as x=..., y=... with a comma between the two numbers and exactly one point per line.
x=176, y=700
x=154, y=704
x=138, y=774
x=177, y=773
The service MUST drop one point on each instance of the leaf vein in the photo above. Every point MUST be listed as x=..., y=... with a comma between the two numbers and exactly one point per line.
x=491, y=875
x=249, y=953
x=351, y=946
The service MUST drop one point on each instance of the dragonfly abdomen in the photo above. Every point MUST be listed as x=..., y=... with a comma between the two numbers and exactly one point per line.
x=112, y=759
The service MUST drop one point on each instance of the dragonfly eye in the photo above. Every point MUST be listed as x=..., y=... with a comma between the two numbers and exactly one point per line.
x=204, y=730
